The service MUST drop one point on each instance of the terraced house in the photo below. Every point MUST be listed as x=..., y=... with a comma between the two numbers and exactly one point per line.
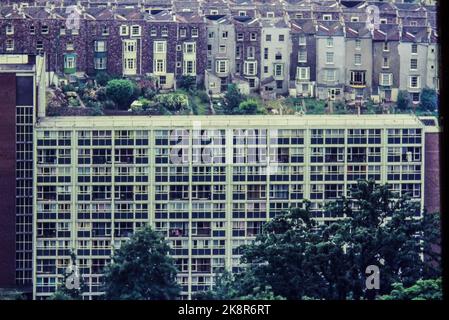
x=302, y=48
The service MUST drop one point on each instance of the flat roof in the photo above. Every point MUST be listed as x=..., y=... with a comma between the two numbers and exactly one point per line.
x=225, y=121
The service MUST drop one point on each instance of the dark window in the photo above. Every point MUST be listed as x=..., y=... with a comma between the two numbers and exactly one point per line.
x=24, y=92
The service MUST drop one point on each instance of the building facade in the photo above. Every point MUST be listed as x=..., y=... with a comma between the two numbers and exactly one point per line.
x=205, y=183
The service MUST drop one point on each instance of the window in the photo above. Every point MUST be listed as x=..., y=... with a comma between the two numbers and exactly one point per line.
x=189, y=47
x=385, y=63
x=302, y=55
x=413, y=64
x=278, y=70
x=135, y=31
x=224, y=35
x=415, y=97
x=240, y=36
x=9, y=44
x=302, y=73
x=62, y=31
x=383, y=21
x=221, y=66
x=330, y=75
x=299, y=15
x=354, y=19
x=32, y=30
x=327, y=17
x=265, y=53
x=329, y=57
x=189, y=68
x=386, y=46
x=159, y=65
x=44, y=29
x=270, y=14
x=251, y=52
x=253, y=36
x=153, y=32
x=194, y=32
x=39, y=45
x=357, y=59
x=278, y=56
x=358, y=44
x=69, y=62
x=249, y=68
x=100, y=63
x=70, y=46
x=182, y=32
x=214, y=12
x=211, y=35
x=100, y=46
x=164, y=31
x=414, y=48
x=9, y=29
x=242, y=13
x=124, y=30
x=222, y=48
x=414, y=82
x=386, y=79
x=105, y=31
x=330, y=42
x=358, y=78
x=268, y=37
x=160, y=46
x=281, y=38
x=302, y=40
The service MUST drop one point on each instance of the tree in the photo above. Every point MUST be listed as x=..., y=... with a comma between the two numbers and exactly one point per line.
x=299, y=259
x=404, y=100
x=232, y=99
x=121, y=91
x=429, y=100
x=142, y=270
x=430, y=289
x=187, y=83
x=250, y=106
x=72, y=286
x=11, y=294
x=102, y=78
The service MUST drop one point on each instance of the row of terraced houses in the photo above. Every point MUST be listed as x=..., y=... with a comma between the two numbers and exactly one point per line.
x=322, y=49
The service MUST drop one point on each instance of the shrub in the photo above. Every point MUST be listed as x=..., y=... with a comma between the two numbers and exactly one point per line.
x=73, y=102
x=187, y=83
x=102, y=78
x=173, y=101
x=404, y=101
x=429, y=100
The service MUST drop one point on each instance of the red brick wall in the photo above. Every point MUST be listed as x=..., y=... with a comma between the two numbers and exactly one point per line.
x=7, y=178
x=432, y=173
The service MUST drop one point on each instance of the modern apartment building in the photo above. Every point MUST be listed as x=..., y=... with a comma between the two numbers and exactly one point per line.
x=206, y=183
x=22, y=88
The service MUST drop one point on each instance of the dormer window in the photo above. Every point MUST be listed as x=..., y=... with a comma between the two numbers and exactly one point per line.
x=354, y=19
x=214, y=12
x=242, y=13
x=327, y=17
x=383, y=21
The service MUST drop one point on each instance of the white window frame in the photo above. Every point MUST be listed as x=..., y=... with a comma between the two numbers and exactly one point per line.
x=124, y=30
x=136, y=31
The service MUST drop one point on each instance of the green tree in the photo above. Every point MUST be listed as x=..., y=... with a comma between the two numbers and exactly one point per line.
x=121, y=91
x=430, y=289
x=250, y=106
x=298, y=258
x=232, y=99
x=102, y=78
x=142, y=270
x=72, y=286
x=404, y=100
x=429, y=100
x=187, y=83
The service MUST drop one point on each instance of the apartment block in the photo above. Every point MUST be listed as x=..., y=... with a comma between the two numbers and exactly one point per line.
x=22, y=89
x=208, y=184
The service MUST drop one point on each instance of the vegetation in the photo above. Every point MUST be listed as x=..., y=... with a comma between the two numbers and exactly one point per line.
x=429, y=100
x=295, y=258
x=232, y=100
x=11, y=294
x=404, y=101
x=187, y=83
x=121, y=91
x=173, y=102
x=142, y=270
x=431, y=289
x=250, y=106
